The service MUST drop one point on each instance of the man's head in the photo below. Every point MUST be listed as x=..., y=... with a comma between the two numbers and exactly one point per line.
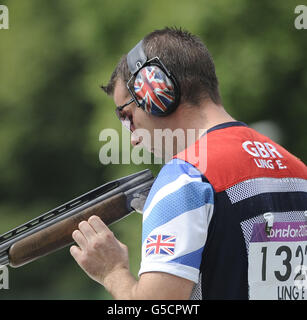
x=185, y=56
x=188, y=59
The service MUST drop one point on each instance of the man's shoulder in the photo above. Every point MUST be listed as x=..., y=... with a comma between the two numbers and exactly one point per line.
x=177, y=167
x=175, y=180
x=174, y=170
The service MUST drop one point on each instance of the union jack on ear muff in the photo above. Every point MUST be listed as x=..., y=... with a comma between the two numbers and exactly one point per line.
x=152, y=86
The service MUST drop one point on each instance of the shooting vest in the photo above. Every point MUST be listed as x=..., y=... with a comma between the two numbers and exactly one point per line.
x=257, y=239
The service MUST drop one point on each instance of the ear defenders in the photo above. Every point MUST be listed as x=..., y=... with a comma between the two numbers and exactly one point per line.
x=154, y=88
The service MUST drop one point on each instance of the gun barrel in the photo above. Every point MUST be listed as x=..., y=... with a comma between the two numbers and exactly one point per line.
x=97, y=201
x=4, y=259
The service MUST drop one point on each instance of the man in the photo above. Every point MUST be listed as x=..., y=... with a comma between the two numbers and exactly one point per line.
x=211, y=219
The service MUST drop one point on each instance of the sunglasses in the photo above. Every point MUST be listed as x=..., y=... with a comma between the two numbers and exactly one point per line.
x=124, y=119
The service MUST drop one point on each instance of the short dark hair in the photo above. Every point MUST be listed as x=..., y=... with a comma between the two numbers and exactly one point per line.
x=186, y=56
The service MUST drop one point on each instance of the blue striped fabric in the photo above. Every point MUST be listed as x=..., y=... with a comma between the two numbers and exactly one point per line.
x=180, y=204
x=169, y=173
x=189, y=197
x=192, y=259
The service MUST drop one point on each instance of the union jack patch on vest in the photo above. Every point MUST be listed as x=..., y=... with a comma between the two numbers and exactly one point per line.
x=160, y=244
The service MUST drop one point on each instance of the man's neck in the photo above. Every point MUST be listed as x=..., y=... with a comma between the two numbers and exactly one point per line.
x=195, y=121
x=201, y=118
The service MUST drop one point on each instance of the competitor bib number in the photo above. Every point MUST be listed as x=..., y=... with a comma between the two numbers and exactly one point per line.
x=278, y=262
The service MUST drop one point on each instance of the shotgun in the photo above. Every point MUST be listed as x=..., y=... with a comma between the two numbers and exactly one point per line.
x=53, y=230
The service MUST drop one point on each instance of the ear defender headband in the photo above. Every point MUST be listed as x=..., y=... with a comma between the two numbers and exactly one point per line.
x=155, y=89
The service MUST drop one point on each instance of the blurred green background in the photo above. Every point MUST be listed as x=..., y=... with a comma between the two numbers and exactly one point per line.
x=53, y=59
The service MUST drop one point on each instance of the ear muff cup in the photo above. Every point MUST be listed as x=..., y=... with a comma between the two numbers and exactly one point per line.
x=154, y=91
x=152, y=86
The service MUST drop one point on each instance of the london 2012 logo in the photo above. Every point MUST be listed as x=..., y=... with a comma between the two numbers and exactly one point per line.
x=4, y=17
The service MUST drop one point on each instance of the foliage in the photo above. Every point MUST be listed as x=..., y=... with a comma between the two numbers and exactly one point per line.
x=52, y=61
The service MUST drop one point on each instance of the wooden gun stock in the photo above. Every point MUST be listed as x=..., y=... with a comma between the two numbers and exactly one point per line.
x=53, y=230
x=59, y=235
